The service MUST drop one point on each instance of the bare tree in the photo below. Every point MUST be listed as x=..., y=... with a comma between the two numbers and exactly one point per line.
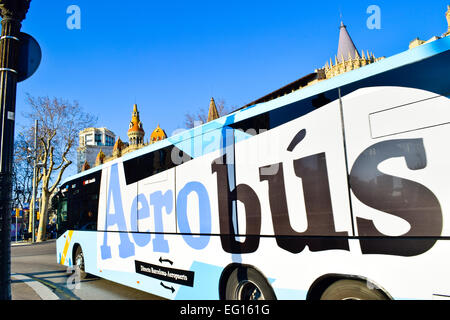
x=201, y=116
x=22, y=175
x=59, y=124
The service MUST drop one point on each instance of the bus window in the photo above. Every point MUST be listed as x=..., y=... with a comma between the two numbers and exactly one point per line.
x=152, y=163
x=279, y=116
x=78, y=204
x=61, y=220
x=89, y=212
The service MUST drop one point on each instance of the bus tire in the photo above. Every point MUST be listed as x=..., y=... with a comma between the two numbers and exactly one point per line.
x=79, y=263
x=245, y=283
x=352, y=290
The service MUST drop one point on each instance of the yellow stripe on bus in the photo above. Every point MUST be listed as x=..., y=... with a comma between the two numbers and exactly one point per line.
x=66, y=247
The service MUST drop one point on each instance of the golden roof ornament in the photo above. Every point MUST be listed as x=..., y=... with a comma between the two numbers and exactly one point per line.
x=157, y=135
x=118, y=147
x=213, y=114
x=100, y=158
x=85, y=166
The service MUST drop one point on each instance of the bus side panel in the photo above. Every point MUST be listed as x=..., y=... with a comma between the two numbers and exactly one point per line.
x=115, y=216
x=299, y=166
x=62, y=248
x=197, y=247
x=298, y=173
x=87, y=240
x=148, y=242
x=399, y=177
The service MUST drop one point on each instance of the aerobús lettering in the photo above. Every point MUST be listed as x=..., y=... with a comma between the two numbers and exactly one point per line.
x=397, y=196
x=413, y=203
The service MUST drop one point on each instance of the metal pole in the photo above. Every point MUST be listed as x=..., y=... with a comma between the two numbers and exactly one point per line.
x=33, y=202
x=12, y=13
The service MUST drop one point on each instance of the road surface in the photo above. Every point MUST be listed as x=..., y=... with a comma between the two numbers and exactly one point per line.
x=35, y=275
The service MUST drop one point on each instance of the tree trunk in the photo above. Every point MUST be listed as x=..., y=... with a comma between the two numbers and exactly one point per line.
x=43, y=211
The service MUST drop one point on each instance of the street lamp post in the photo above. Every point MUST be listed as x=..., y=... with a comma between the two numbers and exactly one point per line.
x=13, y=12
x=35, y=173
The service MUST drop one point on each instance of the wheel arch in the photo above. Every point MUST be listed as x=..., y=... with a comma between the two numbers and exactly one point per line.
x=319, y=286
x=75, y=246
x=227, y=271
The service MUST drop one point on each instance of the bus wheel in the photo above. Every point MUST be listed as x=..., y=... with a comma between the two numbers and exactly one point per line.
x=79, y=262
x=248, y=284
x=352, y=290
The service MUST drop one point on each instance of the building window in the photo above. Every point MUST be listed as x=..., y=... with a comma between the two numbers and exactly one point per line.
x=109, y=141
x=98, y=139
x=89, y=139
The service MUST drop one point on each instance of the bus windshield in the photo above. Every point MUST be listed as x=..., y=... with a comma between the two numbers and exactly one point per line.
x=61, y=211
x=77, y=204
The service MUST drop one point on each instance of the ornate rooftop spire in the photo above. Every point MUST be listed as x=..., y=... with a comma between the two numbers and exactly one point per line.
x=136, y=131
x=118, y=147
x=135, y=124
x=346, y=46
x=212, y=113
x=348, y=58
x=100, y=158
x=85, y=166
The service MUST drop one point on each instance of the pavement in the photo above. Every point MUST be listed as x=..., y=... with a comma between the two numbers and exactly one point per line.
x=21, y=290
x=35, y=275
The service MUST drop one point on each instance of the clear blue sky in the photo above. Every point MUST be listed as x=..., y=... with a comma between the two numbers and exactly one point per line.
x=171, y=57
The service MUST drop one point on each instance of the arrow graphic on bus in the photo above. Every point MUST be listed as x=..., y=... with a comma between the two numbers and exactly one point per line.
x=166, y=287
x=161, y=260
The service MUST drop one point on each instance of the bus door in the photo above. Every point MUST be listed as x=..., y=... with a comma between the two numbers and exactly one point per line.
x=116, y=220
x=154, y=208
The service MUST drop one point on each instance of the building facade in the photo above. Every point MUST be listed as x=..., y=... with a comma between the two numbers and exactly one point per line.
x=91, y=141
x=136, y=141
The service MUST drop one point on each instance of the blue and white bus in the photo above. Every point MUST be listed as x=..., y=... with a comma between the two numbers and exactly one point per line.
x=340, y=190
